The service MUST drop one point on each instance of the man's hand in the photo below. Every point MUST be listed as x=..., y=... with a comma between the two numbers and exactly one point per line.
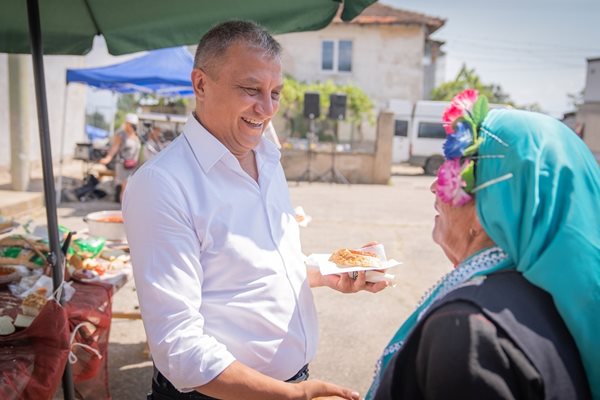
x=238, y=381
x=314, y=388
x=344, y=283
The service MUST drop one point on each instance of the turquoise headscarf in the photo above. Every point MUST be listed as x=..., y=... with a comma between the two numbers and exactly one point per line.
x=547, y=217
x=538, y=198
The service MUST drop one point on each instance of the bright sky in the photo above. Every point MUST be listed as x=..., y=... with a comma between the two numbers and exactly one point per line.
x=536, y=50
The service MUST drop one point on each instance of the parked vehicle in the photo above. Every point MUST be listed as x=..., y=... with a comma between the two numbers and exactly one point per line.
x=419, y=134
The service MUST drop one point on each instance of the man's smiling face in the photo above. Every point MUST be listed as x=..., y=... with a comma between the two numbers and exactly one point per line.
x=236, y=101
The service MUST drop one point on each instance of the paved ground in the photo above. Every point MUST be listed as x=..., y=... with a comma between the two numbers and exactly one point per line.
x=353, y=328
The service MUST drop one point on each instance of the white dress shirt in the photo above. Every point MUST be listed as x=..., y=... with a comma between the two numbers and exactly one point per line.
x=217, y=262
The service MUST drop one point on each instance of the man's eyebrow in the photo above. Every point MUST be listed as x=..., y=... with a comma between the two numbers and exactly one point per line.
x=248, y=80
x=254, y=81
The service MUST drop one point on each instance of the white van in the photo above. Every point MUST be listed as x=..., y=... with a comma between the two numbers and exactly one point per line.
x=419, y=133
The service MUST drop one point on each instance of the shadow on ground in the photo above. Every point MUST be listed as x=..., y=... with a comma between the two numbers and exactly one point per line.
x=130, y=371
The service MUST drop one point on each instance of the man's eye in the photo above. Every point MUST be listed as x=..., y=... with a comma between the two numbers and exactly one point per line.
x=251, y=91
x=275, y=95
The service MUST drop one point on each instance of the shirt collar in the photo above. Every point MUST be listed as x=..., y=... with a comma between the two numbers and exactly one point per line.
x=209, y=150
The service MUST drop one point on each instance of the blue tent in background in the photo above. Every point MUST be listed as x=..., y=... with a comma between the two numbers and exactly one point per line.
x=163, y=72
x=94, y=133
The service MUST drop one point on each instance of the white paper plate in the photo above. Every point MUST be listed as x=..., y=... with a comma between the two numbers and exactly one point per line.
x=328, y=268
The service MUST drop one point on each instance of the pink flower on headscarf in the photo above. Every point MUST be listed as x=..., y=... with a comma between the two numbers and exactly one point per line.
x=461, y=104
x=450, y=183
x=451, y=114
x=465, y=99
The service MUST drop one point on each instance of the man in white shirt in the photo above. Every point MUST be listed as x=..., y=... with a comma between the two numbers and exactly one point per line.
x=224, y=293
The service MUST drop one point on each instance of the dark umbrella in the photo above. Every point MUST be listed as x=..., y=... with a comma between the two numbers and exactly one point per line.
x=69, y=27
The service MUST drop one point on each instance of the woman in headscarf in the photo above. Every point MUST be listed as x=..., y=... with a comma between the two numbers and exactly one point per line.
x=518, y=199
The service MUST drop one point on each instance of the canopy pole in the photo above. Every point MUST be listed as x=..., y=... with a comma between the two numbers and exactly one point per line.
x=62, y=146
x=55, y=258
x=114, y=114
x=61, y=161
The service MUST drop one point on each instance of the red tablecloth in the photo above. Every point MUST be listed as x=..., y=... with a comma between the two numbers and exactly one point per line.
x=32, y=360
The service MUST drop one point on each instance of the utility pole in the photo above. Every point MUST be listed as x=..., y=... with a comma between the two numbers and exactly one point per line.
x=19, y=69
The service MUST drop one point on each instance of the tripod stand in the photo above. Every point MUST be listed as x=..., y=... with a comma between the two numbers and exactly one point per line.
x=308, y=173
x=333, y=175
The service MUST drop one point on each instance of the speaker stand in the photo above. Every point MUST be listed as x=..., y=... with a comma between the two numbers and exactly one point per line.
x=333, y=175
x=308, y=173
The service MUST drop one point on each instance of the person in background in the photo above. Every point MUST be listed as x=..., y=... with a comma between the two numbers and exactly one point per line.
x=517, y=317
x=224, y=292
x=153, y=144
x=125, y=147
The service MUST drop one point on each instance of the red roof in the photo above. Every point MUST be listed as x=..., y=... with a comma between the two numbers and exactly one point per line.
x=381, y=14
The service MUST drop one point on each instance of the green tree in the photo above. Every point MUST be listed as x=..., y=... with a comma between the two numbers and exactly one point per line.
x=359, y=107
x=129, y=102
x=468, y=79
x=575, y=99
x=126, y=103
x=97, y=119
x=291, y=103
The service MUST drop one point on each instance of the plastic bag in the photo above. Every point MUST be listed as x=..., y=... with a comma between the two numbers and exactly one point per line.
x=87, y=247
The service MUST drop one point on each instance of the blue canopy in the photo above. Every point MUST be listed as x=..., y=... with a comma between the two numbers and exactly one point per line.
x=93, y=132
x=163, y=72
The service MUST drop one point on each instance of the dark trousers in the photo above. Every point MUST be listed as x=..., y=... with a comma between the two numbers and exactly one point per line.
x=162, y=389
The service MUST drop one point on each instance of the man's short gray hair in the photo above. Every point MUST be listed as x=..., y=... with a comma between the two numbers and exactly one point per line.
x=219, y=38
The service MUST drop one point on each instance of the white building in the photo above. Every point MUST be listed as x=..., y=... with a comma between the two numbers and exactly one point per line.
x=17, y=100
x=66, y=107
x=385, y=51
x=588, y=113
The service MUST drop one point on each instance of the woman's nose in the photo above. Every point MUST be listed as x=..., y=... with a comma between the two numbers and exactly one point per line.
x=433, y=186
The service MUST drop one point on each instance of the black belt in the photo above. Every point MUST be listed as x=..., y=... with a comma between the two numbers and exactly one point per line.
x=162, y=389
x=301, y=376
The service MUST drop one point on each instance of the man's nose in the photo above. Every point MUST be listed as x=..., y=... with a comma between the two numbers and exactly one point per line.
x=266, y=106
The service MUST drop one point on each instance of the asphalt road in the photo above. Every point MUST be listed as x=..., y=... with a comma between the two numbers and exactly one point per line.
x=353, y=328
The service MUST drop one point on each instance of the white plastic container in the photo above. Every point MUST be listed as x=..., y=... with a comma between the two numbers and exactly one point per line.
x=106, y=224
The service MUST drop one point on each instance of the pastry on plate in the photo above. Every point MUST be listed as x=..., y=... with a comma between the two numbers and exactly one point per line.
x=354, y=258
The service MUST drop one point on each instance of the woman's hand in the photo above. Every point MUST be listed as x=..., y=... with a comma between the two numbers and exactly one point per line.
x=314, y=388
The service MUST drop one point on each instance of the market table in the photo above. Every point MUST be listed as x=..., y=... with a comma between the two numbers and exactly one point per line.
x=32, y=359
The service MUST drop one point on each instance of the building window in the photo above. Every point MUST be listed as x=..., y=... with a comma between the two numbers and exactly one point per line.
x=336, y=55
x=345, y=56
x=431, y=130
x=401, y=128
x=327, y=55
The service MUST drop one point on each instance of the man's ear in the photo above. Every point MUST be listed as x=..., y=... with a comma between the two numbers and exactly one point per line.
x=198, y=82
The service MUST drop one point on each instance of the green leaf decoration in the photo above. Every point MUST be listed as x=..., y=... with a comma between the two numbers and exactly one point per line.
x=472, y=149
x=468, y=176
x=480, y=110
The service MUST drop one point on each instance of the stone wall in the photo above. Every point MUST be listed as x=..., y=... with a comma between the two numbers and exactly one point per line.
x=355, y=166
